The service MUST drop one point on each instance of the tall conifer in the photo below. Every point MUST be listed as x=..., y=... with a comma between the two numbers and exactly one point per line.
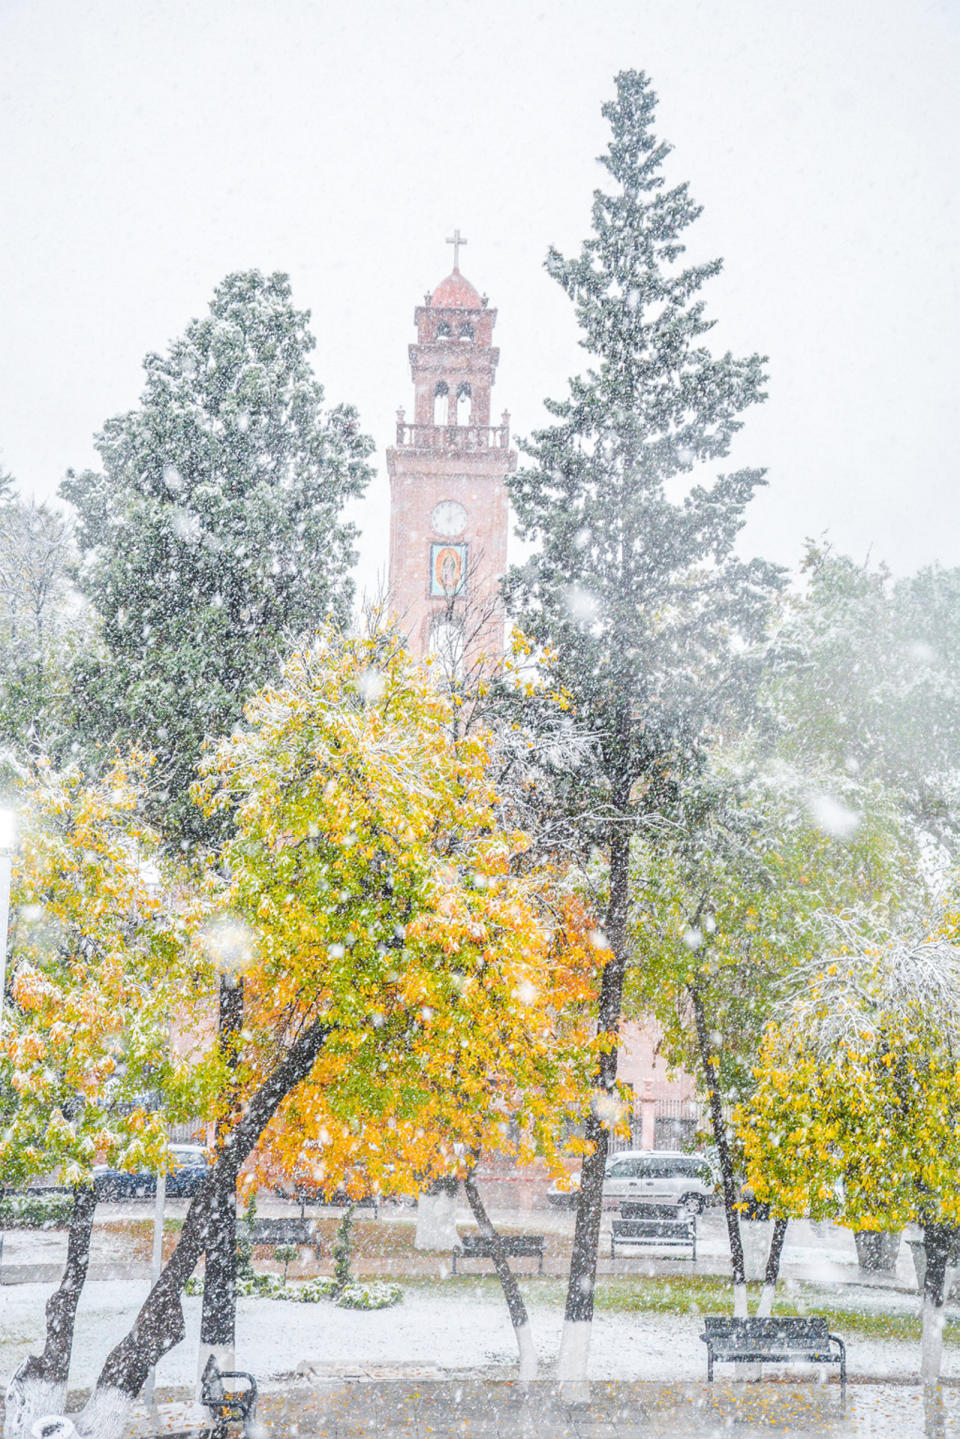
x=634, y=583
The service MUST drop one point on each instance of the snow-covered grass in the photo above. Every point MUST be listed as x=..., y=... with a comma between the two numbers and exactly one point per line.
x=452, y=1326
x=883, y=1314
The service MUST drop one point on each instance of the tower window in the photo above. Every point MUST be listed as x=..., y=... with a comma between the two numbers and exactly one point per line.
x=443, y=330
x=464, y=394
x=466, y=331
x=441, y=402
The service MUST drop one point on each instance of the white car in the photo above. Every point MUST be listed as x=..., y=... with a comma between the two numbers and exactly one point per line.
x=659, y=1176
x=649, y=1176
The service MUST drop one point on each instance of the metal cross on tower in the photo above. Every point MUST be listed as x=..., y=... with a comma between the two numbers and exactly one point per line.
x=456, y=240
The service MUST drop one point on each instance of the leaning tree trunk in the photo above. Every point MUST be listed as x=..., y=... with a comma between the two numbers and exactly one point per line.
x=160, y=1325
x=578, y=1316
x=437, y=1216
x=938, y=1240
x=40, y=1384
x=218, y=1318
x=711, y=1080
x=508, y=1282
x=765, y=1307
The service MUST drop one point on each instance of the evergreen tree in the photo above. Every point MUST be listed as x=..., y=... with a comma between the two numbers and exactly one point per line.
x=634, y=587
x=44, y=626
x=212, y=537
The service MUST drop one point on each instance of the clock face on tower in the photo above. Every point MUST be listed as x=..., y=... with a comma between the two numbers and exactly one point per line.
x=448, y=518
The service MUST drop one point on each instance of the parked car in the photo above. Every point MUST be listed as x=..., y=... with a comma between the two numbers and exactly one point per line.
x=112, y=1184
x=189, y=1165
x=191, y=1168
x=649, y=1176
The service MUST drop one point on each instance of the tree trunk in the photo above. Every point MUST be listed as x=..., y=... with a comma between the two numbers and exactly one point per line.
x=40, y=1384
x=578, y=1317
x=938, y=1240
x=723, y=1151
x=508, y=1283
x=437, y=1217
x=159, y=1325
x=765, y=1307
x=218, y=1320
x=934, y=1414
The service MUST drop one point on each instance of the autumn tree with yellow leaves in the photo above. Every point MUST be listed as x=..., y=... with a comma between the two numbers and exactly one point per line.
x=99, y=948
x=374, y=863
x=855, y=1115
x=729, y=907
x=402, y=956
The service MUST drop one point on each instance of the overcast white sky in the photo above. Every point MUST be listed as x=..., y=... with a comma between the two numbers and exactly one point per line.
x=148, y=148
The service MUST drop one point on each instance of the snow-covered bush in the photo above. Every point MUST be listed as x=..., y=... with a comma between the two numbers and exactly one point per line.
x=34, y=1211
x=378, y=1295
x=310, y=1293
x=356, y=1295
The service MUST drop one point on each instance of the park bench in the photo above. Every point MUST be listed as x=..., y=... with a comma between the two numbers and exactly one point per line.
x=369, y=1201
x=227, y=1406
x=660, y=1226
x=772, y=1341
x=515, y=1246
x=280, y=1231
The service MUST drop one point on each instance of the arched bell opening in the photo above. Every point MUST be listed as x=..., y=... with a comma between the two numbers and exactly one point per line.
x=441, y=402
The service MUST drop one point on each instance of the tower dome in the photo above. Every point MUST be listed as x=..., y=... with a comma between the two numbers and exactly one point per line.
x=455, y=293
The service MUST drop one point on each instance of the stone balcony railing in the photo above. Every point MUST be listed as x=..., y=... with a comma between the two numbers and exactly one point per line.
x=453, y=437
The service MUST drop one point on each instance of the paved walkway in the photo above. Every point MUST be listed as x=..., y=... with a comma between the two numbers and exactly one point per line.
x=822, y=1253
x=480, y=1409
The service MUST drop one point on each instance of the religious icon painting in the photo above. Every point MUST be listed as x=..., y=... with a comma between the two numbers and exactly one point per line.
x=448, y=569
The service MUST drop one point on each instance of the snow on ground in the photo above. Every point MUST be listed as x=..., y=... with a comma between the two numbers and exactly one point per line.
x=460, y=1330
x=449, y=1332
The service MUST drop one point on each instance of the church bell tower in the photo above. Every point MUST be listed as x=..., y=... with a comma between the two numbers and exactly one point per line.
x=448, y=499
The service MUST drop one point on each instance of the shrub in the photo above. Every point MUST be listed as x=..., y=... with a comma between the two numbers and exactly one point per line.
x=377, y=1295
x=35, y=1211
x=285, y=1254
x=310, y=1293
x=342, y=1249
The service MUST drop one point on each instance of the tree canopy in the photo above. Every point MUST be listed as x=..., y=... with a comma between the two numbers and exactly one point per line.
x=213, y=536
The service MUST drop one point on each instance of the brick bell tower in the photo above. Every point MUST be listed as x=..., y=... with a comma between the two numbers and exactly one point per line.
x=448, y=500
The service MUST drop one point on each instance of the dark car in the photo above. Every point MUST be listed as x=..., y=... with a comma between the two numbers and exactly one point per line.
x=191, y=1169
x=188, y=1168
x=112, y=1184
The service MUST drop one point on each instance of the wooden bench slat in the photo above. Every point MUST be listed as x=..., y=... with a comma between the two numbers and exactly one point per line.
x=515, y=1246
x=280, y=1231
x=660, y=1233
x=640, y=1209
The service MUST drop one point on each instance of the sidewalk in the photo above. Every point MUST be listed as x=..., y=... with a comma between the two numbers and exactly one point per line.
x=480, y=1409
x=820, y=1254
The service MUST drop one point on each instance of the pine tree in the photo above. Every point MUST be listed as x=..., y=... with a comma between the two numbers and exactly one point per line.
x=43, y=628
x=635, y=588
x=212, y=537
